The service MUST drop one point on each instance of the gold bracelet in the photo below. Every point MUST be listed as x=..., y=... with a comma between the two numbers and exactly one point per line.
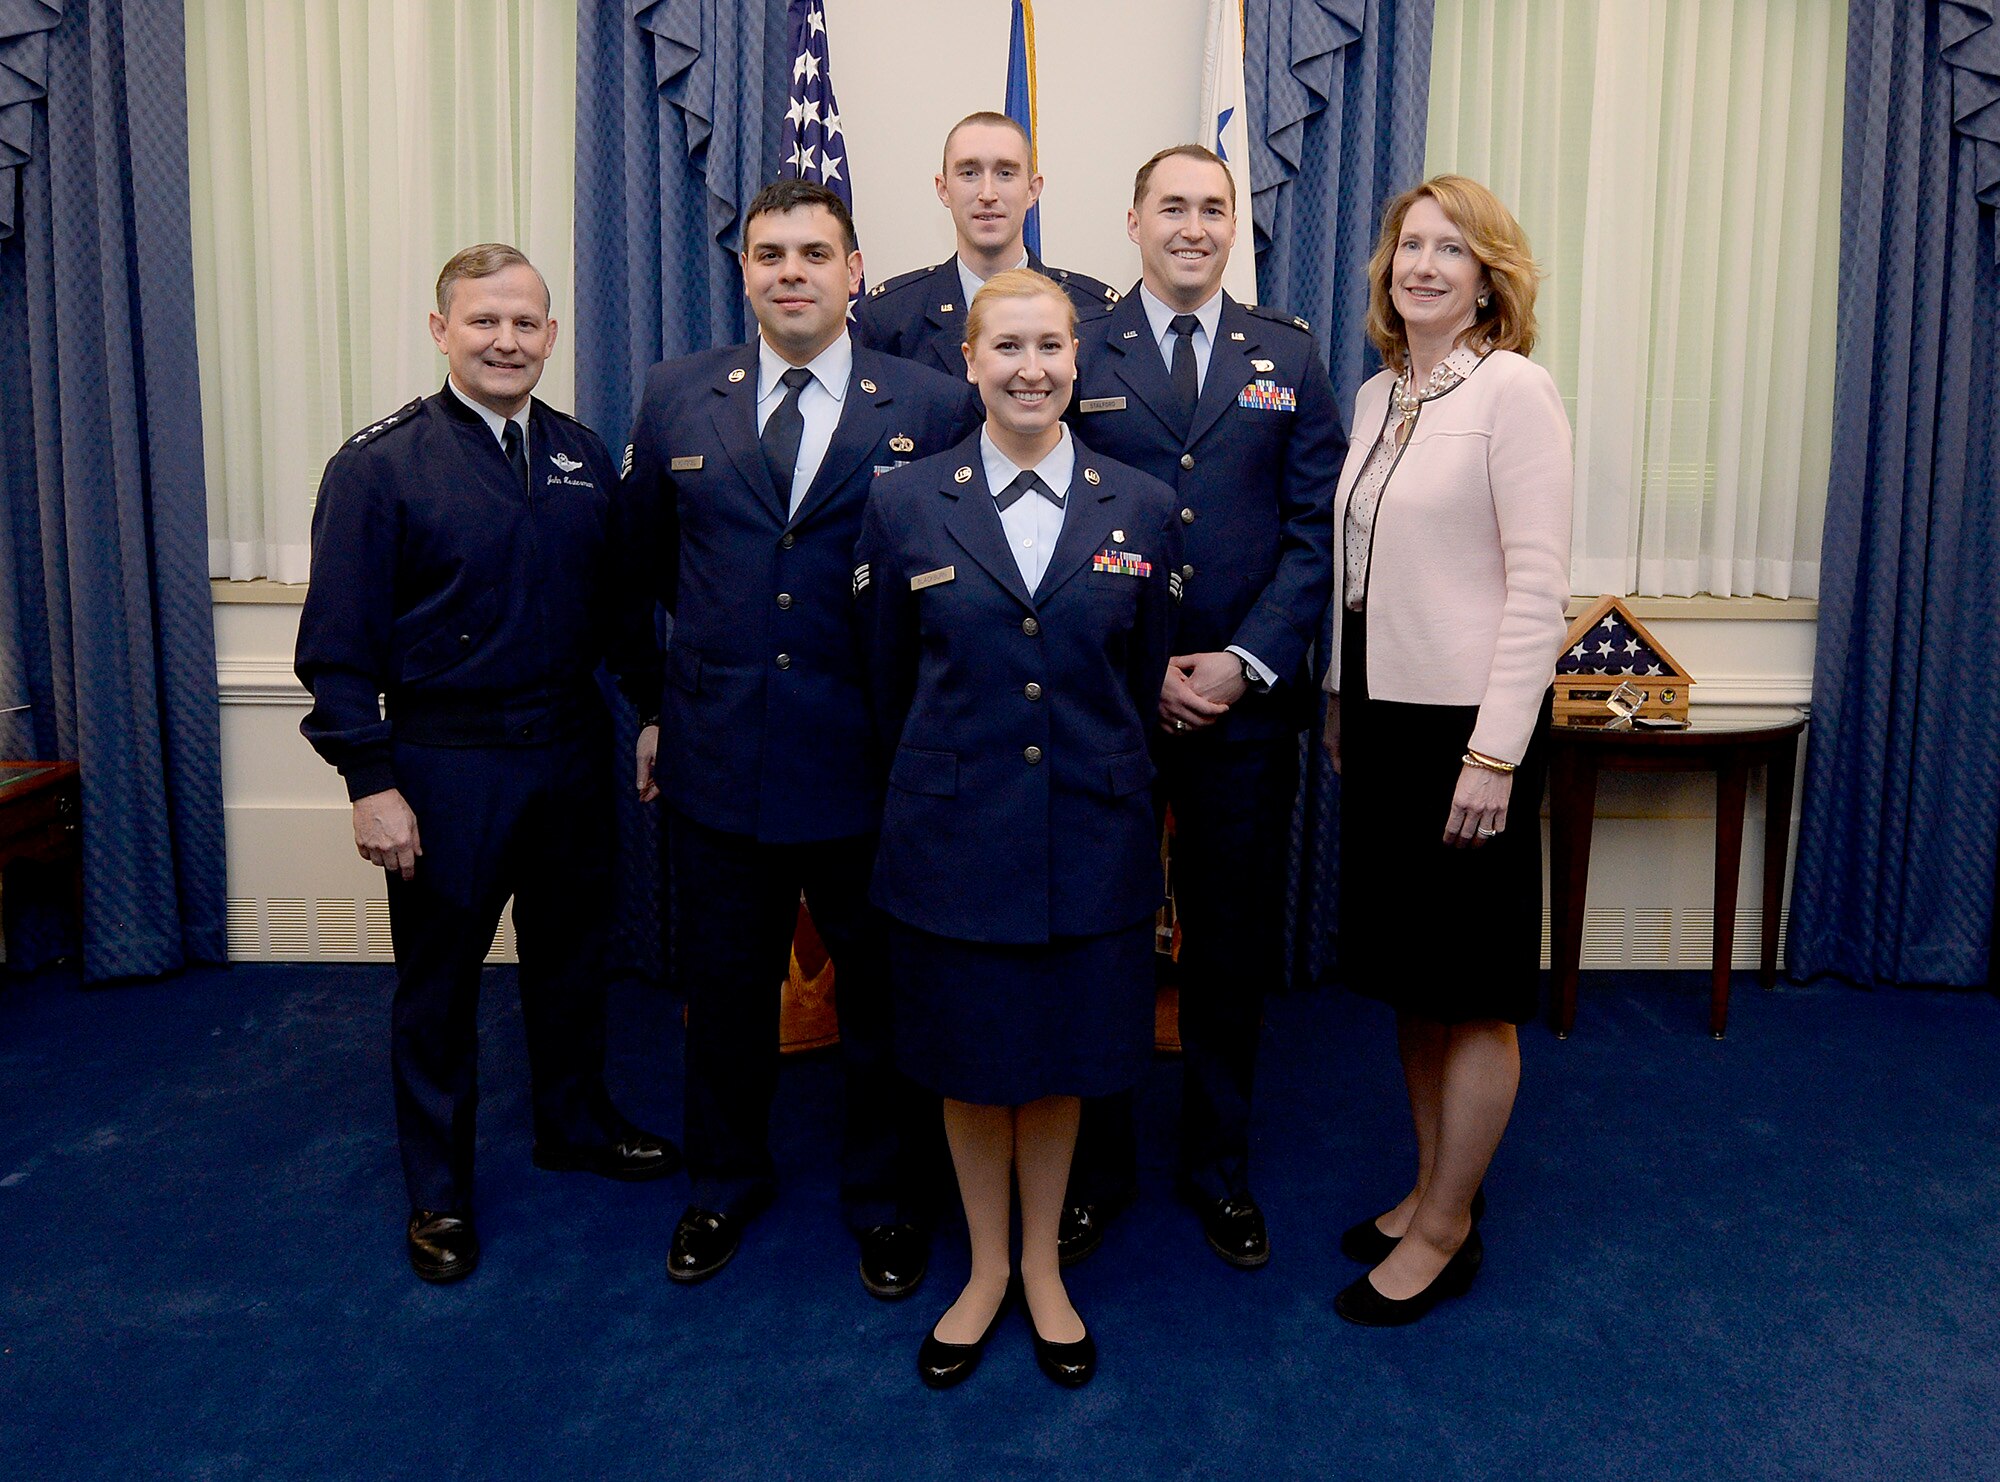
x=1491, y=764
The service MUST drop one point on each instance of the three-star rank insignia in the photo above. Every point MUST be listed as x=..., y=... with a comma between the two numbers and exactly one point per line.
x=736, y=375
x=901, y=444
x=867, y=385
x=1090, y=476
x=963, y=476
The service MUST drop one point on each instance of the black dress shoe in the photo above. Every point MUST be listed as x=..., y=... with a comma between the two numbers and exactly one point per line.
x=703, y=1243
x=634, y=1158
x=941, y=1364
x=1069, y=1364
x=1078, y=1233
x=443, y=1245
x=1235, y=1231
x=1362, y=1303
x=1367, y=1243
x=894, y=1259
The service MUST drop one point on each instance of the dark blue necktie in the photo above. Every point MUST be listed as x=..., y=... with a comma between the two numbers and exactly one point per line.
x=517, y=452
x=1021, y=484
x=783, y=430
x=1187, y=382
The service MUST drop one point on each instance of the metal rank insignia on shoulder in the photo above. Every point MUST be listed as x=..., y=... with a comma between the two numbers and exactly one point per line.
x=902, y=444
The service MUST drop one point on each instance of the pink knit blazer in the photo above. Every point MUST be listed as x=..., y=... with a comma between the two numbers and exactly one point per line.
x=1470, y=571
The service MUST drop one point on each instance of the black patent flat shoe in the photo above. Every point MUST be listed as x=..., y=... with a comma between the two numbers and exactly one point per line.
x=1362, y=1303
x=1368, y=1244
x=941, y=1365
x=1069, y=1364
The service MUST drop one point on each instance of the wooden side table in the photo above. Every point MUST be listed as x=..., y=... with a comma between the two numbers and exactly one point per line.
x=41, y=819
x=1730, y=749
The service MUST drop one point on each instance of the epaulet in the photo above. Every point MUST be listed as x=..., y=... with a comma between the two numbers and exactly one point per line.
x=1266, y=311
x=559, y=412
x=1087, y=286
x=901, y=280
x=374, y=430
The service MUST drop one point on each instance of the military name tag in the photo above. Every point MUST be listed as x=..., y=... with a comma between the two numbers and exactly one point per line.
x=1101, y=404
x=687, y=465
x=934, y=578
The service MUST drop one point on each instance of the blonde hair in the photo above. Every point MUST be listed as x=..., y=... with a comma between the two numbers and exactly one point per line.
x=1015, y=283
x=1507, y=322
x=483, y=261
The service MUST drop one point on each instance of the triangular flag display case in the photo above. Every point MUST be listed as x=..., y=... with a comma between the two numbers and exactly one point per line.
x=1607, y=647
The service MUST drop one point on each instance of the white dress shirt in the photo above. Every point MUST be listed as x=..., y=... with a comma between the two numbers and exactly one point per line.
x=1161, y=318
x=494, y=421
x=1032, y=522
x=969, y=282
x=819, y=404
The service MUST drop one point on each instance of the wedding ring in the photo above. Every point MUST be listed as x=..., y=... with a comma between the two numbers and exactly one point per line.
x=1180, y=725
x=1489, y=833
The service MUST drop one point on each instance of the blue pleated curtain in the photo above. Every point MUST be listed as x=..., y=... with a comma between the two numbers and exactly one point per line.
x=105, y=628
x=678, y=108
x=1339, y=95
x=1900, y=822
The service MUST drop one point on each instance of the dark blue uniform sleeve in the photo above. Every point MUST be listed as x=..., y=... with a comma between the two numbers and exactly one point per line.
x=1146, y=667
x=345, y=627
x=1285, y=620
x=886, y=620
x=645, y=531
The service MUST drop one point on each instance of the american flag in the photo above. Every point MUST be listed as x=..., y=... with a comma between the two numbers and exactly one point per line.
x=813, y=146
x=1611, y=647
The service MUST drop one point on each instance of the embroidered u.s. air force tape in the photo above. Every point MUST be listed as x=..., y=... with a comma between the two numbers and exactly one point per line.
x=1268, y=396
x=1121, y=563
x=934, y=578
x=1101, y=404
x=861, y=578
x=625, y=469
x=689, y=464
x=1174, y=585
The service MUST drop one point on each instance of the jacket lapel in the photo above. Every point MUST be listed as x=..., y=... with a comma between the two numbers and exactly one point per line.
x=975, y=524
x=944, y=317
x=1229, y=369
x=735, y=414
x=1091, y=515
x=1135, y=361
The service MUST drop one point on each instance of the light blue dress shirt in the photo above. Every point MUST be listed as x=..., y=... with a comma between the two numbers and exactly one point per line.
x=1032, y=522
x=819, y=404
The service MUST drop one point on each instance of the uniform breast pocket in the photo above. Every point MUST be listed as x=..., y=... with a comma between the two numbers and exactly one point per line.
x=456, y=638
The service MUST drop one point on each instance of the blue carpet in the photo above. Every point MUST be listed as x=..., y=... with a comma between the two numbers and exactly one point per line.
x=1772, y=1256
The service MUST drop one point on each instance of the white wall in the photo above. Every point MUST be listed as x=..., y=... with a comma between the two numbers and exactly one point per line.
x=1119, y=80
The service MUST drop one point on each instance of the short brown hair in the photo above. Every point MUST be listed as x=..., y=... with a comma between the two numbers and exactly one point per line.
x=1014, y=283
x=1507, y=322
x=782, y=197
x=997, y=120
x=1188, y=151
x=483, y=261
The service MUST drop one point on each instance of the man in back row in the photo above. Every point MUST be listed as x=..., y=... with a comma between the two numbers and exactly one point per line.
x=987, y=181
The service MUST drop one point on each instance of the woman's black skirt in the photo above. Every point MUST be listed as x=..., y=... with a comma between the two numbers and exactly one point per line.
x=1442, y=933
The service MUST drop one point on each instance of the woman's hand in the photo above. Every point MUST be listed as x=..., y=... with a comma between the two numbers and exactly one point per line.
x=1478, y=807
x=1329, y=735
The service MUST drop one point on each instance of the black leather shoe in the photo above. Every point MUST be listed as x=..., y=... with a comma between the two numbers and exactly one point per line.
x=941, y=1364
x=1362, y=1303
x=634, y=1158
x=1079, y=1232
x=1235, y=1231
x=703, y=1243
x=1367, y=1243
x=1069, y=1364
x=443, y=1245
x=894, y=1259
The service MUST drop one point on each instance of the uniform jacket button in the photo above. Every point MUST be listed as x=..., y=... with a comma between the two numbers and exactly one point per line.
x=1030, y=627
x=1033, y=691
x=787, y=541
x=1032, y=755
x=784, y=599
x=1187, y=517
x=1187, y=460
x=784, y=661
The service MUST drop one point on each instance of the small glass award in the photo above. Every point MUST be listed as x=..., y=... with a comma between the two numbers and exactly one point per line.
x=1624, y=703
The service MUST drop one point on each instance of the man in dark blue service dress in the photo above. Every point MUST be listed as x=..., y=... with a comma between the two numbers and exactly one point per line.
x=460, y=602
x=1231, y=407
x=747, y=474
x=987, y=180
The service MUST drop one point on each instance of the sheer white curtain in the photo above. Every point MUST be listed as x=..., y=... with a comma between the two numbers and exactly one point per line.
x=1676, y=164
x=341, y=151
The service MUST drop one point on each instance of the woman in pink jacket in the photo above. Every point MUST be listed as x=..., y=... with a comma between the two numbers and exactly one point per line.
x=1453, y=518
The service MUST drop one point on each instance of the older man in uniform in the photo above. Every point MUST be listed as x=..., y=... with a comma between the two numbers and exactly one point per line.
x=1232, y=407
x=459, y=605
x=747, y=473
x=987, y=181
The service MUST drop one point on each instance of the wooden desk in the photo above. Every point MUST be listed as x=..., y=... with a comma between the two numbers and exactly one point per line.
x=41, y=819
x=1727, y=748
